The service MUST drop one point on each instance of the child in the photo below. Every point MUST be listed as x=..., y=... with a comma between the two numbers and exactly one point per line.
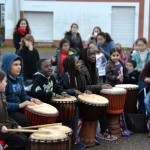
x=116, y=73
x=134, y=49
x=122, y=55
x=16, y=97
x=105, y=43
x=30, y=57
x=44, y=84
x=15, y=141
x=133, y=73
x=142, y=55
x=62, y=52
x=73, y=82
x=88, y=68
x=101, y=64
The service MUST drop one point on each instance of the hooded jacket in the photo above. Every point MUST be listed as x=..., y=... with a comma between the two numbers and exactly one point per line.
x=15, y=93
x=4, y=119
x=44, y=88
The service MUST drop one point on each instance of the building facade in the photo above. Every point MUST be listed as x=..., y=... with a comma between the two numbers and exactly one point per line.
x=125, y=20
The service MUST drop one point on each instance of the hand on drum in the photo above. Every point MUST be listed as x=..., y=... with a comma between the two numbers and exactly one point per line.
x=59, y=96
x=106, y=86
x=19, y=127
x=88, y=92
x=25, y=103
x=36, y=101
x=66, y=95
x=78, y=92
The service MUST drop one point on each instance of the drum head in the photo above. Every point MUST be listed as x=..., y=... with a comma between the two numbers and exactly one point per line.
x=93, y=99
x=50, y=137
x=127, y=86
x=70, y=99
x=113, y=91
x=43, y=109
x=64, y=129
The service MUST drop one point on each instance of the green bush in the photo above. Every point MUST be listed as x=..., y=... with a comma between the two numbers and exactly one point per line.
x=2, y=32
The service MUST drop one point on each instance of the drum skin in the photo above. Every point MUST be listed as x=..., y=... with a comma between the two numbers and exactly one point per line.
x=38, y=118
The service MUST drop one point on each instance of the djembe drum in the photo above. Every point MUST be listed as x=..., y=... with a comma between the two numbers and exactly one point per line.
x=116, y=97
x=91, y=107
x=131, y=98
x=51, y=140
x=66, y=108
x=64, y=129
x=41, y=114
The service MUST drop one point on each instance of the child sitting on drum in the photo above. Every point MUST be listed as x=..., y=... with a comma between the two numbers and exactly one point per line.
x=16, y=97
x=88, y=68
x=44, y=84
x=133, y=73
x=15, y=141
x=116, y=72
x=62, y=52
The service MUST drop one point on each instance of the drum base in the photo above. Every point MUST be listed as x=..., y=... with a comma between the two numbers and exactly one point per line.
x=113, y=124
x=87, y=133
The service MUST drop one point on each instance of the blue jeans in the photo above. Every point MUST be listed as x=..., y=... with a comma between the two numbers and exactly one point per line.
x=147, y=104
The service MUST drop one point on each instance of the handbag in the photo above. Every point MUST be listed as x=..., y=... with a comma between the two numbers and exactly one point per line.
x=136, y=122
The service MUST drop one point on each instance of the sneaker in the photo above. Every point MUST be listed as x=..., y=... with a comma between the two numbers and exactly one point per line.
x=98, y=139
x=78, y=144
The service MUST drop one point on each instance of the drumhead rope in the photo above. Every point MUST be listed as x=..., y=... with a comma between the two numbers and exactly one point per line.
x=127, y=86
x=93, y=99
x=114, y=91
x=50, y=137
x=70, y=99
x=43, y=109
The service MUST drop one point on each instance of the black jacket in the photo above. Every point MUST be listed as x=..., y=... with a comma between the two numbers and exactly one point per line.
x=44, y=88
x=30, y=59
x=65, y=83
x=4, y=119
x=75, y=42
x=112, y=74
x=16, y=39
x=134, y=77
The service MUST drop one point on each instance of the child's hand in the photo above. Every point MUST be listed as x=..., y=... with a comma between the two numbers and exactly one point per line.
x=25, y=103
x=119, y=77
x=66, y=95
x=19, y=127
x=106, y=86
x=4, y=129
x=53, y=59
x=59, y=96
x=88, y=92
x=78, y=92
x=36, y=101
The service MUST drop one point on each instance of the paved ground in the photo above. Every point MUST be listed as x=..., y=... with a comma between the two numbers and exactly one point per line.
x=135, y=142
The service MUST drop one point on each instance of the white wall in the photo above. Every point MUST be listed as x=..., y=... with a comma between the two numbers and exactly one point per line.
x=2, y=1
x=146, y=19
x=85, y=14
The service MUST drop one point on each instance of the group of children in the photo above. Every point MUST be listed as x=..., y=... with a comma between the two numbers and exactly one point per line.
x=101, y=65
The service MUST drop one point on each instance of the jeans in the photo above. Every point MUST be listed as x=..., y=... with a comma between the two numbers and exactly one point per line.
x=147, y=104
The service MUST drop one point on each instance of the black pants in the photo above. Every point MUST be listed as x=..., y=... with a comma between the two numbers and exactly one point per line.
x=17, y=141
x=20, y=118
x=103, y=123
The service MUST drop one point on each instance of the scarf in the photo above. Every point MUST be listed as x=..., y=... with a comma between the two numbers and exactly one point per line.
x=22, y=31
